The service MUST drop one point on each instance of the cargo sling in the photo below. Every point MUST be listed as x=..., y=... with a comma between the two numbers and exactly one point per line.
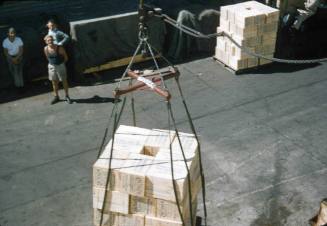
x=157, y=77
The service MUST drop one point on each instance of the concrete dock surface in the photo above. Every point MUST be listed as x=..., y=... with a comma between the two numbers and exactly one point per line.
x=263, y=140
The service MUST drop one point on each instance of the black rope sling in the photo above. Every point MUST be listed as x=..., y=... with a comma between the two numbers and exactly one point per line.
x=116, y=116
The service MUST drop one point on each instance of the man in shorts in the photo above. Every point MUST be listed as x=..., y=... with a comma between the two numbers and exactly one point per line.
x=57, y=57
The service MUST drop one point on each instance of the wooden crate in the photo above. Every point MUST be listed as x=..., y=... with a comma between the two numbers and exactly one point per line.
x=141, y=190
x=252, y=25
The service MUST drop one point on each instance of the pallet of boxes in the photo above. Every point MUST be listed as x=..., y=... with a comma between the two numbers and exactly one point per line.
x=140, y=192
x=252, y=25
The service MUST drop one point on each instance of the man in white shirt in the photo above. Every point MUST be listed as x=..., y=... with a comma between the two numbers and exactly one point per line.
x=13, y=49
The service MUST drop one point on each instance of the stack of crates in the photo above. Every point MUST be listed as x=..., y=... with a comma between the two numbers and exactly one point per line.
x=252, y=25
x=141, y=190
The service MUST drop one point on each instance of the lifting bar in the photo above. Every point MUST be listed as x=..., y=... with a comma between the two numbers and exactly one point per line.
x=172, y=72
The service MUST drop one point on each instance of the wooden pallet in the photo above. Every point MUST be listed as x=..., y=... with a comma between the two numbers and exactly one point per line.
x=241, y=71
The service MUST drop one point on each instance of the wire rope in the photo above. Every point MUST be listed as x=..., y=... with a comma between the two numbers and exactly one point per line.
x=198, y=34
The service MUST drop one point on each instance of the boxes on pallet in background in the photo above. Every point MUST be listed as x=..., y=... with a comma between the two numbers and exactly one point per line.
x=237, y=64
x=251, y=25
x=263, y=61
x=140, y=191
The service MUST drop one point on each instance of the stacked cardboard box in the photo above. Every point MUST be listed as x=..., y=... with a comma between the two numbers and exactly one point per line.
x=141, y=190
x=252, y=25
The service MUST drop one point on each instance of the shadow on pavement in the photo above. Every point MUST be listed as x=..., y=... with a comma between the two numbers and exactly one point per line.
x=31, y=89
x=272, y=68
x=94, y=100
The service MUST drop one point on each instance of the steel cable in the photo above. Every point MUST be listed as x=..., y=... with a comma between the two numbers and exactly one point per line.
x=198, y=34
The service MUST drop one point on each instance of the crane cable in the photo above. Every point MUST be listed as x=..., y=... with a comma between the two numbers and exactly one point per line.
x=197, y=34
